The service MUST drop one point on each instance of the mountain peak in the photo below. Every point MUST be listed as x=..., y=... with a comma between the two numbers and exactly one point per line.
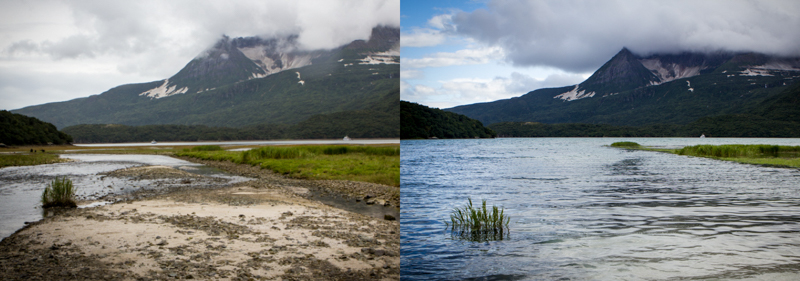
x=623, y=72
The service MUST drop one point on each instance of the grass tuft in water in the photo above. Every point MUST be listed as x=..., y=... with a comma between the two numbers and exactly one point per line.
x=625, y=144
x=59, y=193
x=479, y=224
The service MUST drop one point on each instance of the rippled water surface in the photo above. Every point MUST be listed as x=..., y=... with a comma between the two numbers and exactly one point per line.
x=583, y=211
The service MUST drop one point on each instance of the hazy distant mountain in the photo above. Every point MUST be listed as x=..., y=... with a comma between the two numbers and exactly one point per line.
x=654, y=89
x=248, y=81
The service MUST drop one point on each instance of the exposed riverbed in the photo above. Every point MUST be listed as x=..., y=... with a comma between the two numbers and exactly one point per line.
x=179, y=219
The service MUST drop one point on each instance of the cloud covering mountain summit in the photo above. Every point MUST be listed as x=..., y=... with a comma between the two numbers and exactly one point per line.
x=578, y=36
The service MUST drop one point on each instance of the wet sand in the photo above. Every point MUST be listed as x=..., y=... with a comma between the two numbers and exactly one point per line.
x=258, y=230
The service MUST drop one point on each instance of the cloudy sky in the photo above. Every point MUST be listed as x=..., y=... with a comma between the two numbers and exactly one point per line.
x=60, y=50
x=463, y=52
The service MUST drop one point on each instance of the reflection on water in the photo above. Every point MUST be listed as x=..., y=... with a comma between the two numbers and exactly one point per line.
x=580, y=210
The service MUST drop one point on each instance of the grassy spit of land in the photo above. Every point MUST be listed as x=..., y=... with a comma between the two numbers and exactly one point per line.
x=757, y=154
x=376, y=164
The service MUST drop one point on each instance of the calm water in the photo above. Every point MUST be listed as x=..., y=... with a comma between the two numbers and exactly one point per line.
x=583, y=211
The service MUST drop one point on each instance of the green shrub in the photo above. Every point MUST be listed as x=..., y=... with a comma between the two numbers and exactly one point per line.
x=59, y=193
x=272, y=152
x=206, y=148
x=479, y=224
x=625, y=144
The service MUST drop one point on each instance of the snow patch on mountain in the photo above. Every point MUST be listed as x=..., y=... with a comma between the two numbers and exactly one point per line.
x=301, y=82
x=274, y=63
x=669, y=72
x=755, y=72
x=574, y=94
x=164, y=90
x=388, y=57
x=778, y=65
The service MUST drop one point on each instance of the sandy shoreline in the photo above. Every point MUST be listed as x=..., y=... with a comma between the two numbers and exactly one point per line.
x=258, y=230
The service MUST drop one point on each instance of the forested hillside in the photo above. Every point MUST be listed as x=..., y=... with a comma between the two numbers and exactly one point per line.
x=422, y=122
x=18, y=129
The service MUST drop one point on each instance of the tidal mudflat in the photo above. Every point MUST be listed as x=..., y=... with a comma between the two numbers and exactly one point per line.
x=172, y=218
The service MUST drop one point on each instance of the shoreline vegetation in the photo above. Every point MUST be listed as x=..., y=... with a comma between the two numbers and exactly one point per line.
x=29, y=159
x=369, y=163
x=375, y=164
x=756, y=154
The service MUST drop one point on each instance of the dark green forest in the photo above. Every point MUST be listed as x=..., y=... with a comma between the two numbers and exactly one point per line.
x=18, y=129
x=355, y=124
x=422, y=122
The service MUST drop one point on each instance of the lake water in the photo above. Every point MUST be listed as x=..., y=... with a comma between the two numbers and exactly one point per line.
x=583, y=211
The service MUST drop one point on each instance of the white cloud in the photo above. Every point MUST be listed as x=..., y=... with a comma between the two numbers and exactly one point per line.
x=422, y=37
x=411, y=74
x=462, y=91
x=442, y=22
x=461, y=57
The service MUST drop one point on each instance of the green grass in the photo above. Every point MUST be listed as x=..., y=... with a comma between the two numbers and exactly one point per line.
x=59, y=193
x=479, y=224
x=758, y=154
x=376, y=164
x=625, y=144
x=206, y=148
x=29, y=159
x=740, y=150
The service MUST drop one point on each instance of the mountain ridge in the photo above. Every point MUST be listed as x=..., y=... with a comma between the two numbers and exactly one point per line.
x=226, y=87
x=636, y=90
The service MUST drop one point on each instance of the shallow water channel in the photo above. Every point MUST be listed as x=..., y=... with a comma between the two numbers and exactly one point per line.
x=21, y=187
x=583, y=211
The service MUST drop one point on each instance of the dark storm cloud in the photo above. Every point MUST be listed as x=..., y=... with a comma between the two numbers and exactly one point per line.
x=579, y=36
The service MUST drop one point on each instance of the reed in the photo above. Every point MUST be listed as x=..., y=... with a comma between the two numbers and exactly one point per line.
x=29, y=159
x=272, y=152
x=740, y=150
x=59, y=193
x=629, y=144
x=479, y=224
x=376, y=164
x=206, y=148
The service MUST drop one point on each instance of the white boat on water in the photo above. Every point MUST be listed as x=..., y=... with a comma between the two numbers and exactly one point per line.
x=153, y=142
x=346, y=138
x=703, y=136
